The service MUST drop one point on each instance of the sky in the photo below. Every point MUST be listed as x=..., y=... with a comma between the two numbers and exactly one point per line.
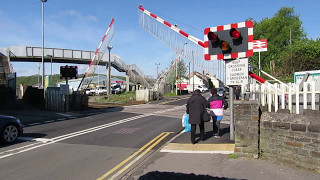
x=81, y=24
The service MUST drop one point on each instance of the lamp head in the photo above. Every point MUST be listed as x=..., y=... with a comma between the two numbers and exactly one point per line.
x=109, y=47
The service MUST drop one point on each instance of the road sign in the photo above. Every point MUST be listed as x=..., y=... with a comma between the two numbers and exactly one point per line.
x=237, y=72
x=260, y=45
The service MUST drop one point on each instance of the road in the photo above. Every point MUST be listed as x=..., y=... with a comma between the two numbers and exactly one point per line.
x=101, y=146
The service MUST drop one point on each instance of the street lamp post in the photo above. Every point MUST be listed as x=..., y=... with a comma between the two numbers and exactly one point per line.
x=42, y=17
x=108, y=73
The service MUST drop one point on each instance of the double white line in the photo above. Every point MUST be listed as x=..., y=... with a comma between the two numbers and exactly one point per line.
x=74, y=134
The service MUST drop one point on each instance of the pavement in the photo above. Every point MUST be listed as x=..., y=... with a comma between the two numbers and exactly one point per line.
x=211, y=159
x=178, y=159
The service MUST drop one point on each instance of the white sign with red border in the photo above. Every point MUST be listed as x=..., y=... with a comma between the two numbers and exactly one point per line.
x=237, y=71
x=260, y=45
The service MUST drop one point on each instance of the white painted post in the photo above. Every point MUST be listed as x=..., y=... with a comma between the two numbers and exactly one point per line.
x=242, y=91
x=305, y=95
x=290, y=98
x=254, y=90
x=313, y=95
x=297, y=99
x=276, y=103
x=283, y=102
x=251, y=91
x=263, y=99
x=269, y=97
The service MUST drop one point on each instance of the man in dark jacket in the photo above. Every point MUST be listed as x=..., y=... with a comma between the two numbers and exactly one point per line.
x=195, y=108
x=217, y=105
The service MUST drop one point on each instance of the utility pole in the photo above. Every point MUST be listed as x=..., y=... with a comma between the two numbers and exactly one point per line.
x=189, y=72
x=176, y=78
x=157, y=64
x=193, y=72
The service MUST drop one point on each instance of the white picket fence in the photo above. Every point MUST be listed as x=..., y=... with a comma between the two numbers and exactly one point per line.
x=283, y=96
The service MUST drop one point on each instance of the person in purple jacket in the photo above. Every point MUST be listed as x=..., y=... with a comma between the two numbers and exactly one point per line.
x=217, y=105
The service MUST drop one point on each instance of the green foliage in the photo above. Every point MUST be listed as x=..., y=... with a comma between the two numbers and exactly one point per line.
x=233, y=156
x=33, y=80
x=181, y=71
x=303, y=55
x=170, y=94
x=116, y=98
x=277, y=30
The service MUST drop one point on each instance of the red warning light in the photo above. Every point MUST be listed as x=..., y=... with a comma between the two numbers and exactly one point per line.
x=234, y=33
x=212, y=36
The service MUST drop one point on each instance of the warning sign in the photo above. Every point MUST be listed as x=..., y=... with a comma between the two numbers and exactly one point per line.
x=237, y=72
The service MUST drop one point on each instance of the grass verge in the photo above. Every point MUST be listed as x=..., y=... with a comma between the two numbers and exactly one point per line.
x=115, y=98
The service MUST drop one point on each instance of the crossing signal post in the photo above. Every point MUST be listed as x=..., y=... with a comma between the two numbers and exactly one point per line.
x=229, y=41
x=67, y=72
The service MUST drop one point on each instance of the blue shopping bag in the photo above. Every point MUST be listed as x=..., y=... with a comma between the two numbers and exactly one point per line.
x=186, y=123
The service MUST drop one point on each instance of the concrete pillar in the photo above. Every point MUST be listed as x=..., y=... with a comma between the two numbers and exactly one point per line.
x=108, y=81
x=127, y=83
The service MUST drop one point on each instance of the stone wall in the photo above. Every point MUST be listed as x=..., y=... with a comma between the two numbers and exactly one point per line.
x=283, y=137
x=246, y=115
x=291, y=138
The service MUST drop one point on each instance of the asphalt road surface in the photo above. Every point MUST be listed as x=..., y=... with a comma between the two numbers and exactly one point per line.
x=101, y=146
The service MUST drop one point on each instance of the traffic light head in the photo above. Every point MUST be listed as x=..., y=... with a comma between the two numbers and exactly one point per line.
x=229, y=41
x=68, y=72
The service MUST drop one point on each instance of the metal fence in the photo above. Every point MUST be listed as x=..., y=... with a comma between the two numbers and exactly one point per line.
x=54, y=100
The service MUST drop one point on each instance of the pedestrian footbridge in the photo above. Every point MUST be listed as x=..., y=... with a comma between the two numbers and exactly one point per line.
x=58, y=55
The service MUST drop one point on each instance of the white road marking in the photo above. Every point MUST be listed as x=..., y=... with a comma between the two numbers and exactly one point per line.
x=33, y=124
x=66, y=115
x=48, y=121
x=61, y=119
x=45, y=142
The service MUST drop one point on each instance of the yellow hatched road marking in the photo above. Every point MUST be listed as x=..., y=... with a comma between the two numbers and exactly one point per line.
x=160, y=137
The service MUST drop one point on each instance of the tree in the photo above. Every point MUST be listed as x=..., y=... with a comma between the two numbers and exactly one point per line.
x=181, y=71
x=277, y=30
x=303, y=55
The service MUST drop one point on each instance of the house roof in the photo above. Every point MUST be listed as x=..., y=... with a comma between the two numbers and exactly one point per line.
x=198, y=75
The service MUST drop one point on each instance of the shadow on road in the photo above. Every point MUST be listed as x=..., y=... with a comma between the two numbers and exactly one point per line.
x=156, y=175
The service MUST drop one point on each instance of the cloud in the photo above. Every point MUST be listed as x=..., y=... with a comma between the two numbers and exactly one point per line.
x=75, y=14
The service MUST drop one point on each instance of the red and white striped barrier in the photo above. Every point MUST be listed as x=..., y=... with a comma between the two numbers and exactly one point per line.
x=104, y=37
x=173, y=27
x=205, y=44
x=93, y=60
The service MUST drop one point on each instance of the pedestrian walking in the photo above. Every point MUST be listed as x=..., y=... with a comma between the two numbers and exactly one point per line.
x=217, y=106
x=196, y=107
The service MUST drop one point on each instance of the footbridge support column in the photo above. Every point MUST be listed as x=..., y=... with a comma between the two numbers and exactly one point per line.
x=127, y=83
